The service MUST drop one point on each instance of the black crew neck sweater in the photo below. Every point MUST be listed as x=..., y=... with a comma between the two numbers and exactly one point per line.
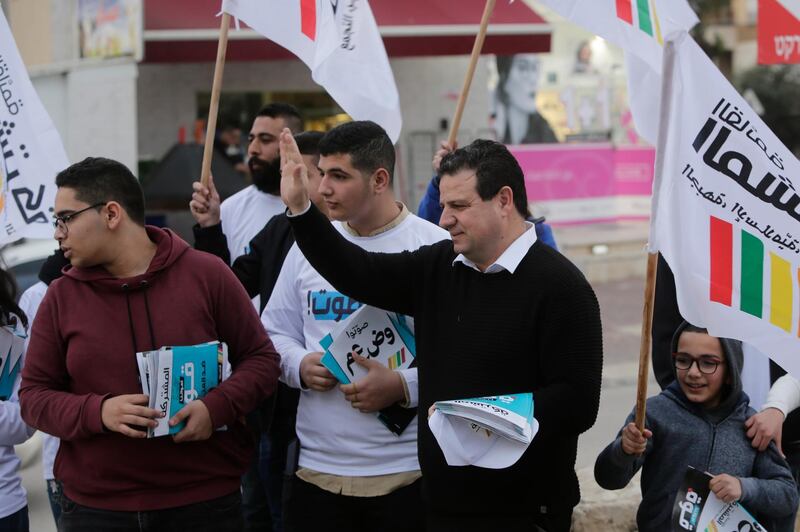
x=479, y=334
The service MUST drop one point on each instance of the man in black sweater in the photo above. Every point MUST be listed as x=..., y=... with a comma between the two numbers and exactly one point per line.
x=496, y=312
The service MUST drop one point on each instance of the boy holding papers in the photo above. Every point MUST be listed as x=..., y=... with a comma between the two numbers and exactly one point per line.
x=354, y=474
x=134, y=288
x=698, y=421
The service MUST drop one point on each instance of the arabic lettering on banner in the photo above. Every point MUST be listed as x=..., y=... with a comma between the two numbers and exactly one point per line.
x=728, y=213
x=32, y=152
x=326, y=305
x=373, y=334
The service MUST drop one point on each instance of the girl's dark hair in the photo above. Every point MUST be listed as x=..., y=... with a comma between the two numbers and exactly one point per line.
x=8, y=303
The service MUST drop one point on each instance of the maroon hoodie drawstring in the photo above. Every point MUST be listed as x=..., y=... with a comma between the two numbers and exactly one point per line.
x=126, y=288
x=145, y=285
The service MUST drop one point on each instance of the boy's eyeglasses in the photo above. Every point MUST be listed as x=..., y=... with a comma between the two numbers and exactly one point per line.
x=60, y=222
x=705, y=363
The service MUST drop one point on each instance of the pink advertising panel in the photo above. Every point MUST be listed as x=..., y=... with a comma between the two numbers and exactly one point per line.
x=588, y=182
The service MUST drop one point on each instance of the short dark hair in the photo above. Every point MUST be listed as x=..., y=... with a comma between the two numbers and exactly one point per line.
x=100, y=180
x=366, y=142
x=288, y=112
x=308, y=142
x=694, y=328
x=495, y=168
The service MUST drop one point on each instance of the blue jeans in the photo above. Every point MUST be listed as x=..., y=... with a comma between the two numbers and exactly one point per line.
x=16, y=522
x=223, y=514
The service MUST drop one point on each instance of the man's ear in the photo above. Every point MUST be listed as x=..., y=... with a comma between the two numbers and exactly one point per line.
x=506, y=198
x=381, y=181
x=113, y=214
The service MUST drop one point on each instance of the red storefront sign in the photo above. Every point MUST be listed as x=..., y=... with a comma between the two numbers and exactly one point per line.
x=778, y=32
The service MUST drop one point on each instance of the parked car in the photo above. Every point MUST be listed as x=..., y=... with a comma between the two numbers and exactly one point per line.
x=24, y=258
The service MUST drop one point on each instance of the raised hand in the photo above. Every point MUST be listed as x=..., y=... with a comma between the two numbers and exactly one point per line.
x=205, y=203
x=294, y=174
x=633, y=440
x=444, y=149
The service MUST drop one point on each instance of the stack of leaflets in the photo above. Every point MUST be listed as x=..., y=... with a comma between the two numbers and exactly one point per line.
x=12, y=345
x=510, y=416
x=490, y=432
x=698, y=509
x=375, y=334
x=176, y=375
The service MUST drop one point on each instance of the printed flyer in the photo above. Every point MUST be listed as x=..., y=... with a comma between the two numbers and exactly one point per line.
x=176, y=375
x=12, y=346
x=374, y=334
x=698, y=509
x=492, y=432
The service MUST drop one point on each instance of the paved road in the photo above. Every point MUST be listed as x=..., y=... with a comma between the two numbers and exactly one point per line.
x=621, y=307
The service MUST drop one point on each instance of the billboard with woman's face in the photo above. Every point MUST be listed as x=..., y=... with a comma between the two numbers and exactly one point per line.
x=516, y=115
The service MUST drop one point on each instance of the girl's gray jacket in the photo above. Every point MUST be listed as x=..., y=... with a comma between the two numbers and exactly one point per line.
x=684, y=435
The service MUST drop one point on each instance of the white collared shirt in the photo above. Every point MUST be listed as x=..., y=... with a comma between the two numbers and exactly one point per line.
x=511, y=257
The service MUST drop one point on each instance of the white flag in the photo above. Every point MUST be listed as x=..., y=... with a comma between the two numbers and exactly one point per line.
x=639, y=27
x=340, y=43
x=727, y=210
x=32, y=152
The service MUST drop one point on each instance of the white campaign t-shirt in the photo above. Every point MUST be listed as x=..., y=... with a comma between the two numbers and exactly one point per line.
x=246, y=213
x=335, y=438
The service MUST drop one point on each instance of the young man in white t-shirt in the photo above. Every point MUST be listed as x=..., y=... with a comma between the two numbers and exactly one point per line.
x=354, y=474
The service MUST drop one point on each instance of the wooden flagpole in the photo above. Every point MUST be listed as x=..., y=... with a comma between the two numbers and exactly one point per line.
x=652, y=258
x=647, y=338
x=476, y=52
x=213, y=108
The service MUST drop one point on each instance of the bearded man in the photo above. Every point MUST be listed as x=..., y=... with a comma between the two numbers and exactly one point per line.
x=245, y=213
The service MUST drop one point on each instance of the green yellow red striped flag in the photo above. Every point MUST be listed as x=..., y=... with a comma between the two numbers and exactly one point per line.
x=764, y=278
x=646, y=16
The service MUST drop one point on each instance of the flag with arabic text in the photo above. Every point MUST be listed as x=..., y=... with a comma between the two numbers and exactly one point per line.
x=639, y=27
x=340, y=43
x=727, y=210
x=32, y=152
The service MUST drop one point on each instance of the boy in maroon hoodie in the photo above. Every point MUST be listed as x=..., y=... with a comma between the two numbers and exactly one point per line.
x=131, y=288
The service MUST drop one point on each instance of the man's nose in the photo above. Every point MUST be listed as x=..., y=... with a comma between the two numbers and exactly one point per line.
x=324, y=187
x=252, y=148
x=446, y=220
